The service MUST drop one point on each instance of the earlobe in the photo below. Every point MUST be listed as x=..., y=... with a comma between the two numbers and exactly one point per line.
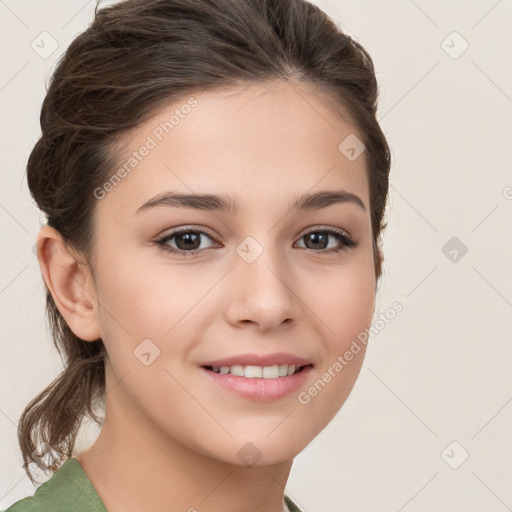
x=70, y=283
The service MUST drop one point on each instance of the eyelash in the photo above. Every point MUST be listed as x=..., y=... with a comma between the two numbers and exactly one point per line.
x=341, y=236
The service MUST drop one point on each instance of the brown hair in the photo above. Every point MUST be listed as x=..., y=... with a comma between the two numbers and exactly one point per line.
x=136, y=56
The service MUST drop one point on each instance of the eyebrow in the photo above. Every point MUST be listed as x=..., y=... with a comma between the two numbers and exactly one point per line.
x=307, y=201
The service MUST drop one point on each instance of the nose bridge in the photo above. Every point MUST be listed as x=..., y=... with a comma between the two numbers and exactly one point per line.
x=262, y=291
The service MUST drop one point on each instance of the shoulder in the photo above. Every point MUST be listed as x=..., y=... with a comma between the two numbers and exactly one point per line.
x=27, y=504
x=23, y=505
x=67, y=489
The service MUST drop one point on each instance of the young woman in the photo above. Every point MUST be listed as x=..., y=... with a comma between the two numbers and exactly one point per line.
x=215, y=181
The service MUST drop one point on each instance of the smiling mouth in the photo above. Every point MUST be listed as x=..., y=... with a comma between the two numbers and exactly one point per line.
x=252, y=371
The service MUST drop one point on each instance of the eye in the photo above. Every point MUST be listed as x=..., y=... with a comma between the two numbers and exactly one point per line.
x=187, y=240
x=318, y=238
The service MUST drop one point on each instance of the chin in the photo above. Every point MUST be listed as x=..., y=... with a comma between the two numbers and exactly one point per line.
x=259, y=450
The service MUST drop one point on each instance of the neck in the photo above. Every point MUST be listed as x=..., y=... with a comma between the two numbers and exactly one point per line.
x=143, y=468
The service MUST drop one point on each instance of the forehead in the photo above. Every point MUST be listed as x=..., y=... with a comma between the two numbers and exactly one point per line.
x=254, y=142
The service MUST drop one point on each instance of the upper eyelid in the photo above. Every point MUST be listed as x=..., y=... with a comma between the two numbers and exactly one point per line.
x=207, y=231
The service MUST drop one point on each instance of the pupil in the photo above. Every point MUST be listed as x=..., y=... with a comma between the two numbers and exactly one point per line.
x=189, y=239
x=315, y=236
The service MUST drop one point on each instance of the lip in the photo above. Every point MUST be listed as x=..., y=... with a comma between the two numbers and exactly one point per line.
x=259, y=389
x=259, y=360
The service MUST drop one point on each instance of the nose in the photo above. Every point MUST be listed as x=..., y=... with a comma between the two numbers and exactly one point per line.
x=261, y=293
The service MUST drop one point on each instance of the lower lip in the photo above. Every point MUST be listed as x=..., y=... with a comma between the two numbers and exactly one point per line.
x=259, y=389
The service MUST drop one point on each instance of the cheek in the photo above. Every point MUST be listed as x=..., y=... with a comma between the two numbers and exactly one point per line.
x=145, y=300
x=345, y=304
x=345, y=310
x=149, y=319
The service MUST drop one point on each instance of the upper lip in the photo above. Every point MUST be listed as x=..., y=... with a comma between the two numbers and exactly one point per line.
x=259, y=360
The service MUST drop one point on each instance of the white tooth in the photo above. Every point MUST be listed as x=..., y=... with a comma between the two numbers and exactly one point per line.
x=237, y=369
x=271, y=372
x=253, y=371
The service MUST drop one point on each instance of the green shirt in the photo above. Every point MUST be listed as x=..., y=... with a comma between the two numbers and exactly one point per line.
x=69, y=489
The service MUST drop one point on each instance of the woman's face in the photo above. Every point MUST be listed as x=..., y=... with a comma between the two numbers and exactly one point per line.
x=265, y=279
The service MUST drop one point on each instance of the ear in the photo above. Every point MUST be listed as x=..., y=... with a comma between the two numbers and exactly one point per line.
x=380, y=257
x=70, y=283
x=381, y=253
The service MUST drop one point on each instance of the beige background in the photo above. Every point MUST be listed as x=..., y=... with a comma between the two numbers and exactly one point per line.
x=439, y=372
